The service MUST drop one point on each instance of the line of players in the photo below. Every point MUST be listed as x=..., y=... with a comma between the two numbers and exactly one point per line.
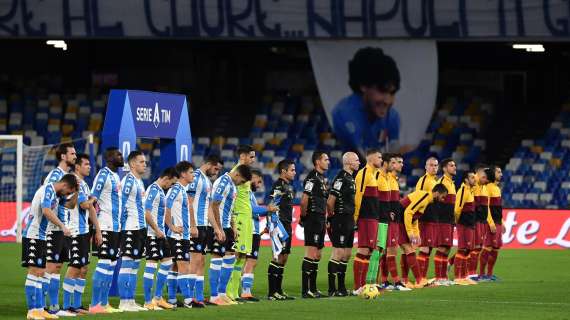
x=176, y=229
x=425, y=220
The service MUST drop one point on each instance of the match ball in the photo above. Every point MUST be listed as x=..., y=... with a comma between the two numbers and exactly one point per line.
x=369, y=292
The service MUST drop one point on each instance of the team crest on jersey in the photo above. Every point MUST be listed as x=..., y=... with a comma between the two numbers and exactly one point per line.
x=255, y=253
x=136, y=252
x=316, y=237
x=309, y=186
x=337, y=185
x=186, y=255
x=40, y=260
x=56, y=257
x=199, y=247
x=111, y=251
x=242, y=247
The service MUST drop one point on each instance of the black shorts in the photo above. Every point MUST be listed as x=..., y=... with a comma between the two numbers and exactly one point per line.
x=133, y=243
x=33, y=253
x=341, y=231
x=287, y=243
x=109, y=248
x=180, y=249
x=157, y=248
x=79, y=252
x=57, y=247
x=314, y=231
x=255, y=243
x=217, y=248
x=200, y=244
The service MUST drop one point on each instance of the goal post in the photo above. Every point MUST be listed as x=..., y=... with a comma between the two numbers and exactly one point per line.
x=17, y=142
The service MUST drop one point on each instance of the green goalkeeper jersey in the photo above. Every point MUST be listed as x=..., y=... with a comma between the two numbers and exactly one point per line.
x=242, y=202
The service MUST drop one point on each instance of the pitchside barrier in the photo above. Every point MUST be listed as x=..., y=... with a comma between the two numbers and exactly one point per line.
x=523, y=228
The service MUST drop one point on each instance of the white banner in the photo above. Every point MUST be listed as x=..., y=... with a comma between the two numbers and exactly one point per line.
x=405, y=122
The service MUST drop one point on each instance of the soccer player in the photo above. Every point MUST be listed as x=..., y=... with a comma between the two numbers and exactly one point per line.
x=106, y=189
x=133, y=230
x=481, y=197
x=384, y=195
x=465, y=224
x=313, y=216
x=157, y=248
x=341, y=209
x=366, y=213
x=428, y=220
x=74, y=282
x=34, y=253
x=414, y=205
x=282, y=191
x=396, y=228
x=243, y=217
x=177, y=217
x=494, y=226
x=221, y=264
x=57, y=244
x=446, y=219
x=251, y=260
x=199, y=195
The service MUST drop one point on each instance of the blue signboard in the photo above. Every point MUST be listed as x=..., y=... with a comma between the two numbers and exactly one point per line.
x=133, y=114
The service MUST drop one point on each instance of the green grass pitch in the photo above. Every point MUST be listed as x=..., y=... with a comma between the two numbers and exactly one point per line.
x=535, y=285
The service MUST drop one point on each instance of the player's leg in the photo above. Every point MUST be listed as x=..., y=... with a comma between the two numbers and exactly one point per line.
x=249, y=268
x=153, y=256
x=276, y=269
x=33, y=259
x=497, y=243
x=313, y=253
x=410, y=256
x=228, y=262
x=162, y=278
x=367, y=238
x=336, y=237
x=393, y=243
x=81, y=261
x=138, y=253
x=243, y=245
x=197, y=261
x=55, y=258
x=171, y=278
x=216, y=252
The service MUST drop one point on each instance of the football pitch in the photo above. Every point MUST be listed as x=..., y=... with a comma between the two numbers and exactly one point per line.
x=535, y=285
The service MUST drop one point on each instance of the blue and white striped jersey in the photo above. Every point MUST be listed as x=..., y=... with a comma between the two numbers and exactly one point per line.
x=155, y=202
x=36, y=226
x=132, y=209
x=177, y=202
x=79, y=218
x=200, y=189
x=107, y=190
x=257, y=211
x=224, y=192
x=62, y=212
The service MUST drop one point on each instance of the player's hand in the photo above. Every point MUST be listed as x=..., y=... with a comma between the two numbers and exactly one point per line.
x=160, y=234
x=98, y=237
x=272, y=208
x=176, y=229
x=392, y=216
x=66, y=231
x=493, y=229
x=415, y=240
x=220, y=235
x=194, y=232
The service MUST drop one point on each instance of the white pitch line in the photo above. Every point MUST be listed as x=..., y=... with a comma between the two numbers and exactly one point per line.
x=484, y=301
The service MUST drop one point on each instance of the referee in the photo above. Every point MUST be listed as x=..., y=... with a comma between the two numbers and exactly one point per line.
x=340, y=207
x=313, y=215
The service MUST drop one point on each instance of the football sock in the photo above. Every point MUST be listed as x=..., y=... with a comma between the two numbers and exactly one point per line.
x=272, y=277
x=78, y=292
x=124, y=277
x=404, y=268
x=413, y=264
x=53, y=289
x=341, y=275
x=279, y=281
x=68, y=288
x=492, y=260
x=214, y=276
x=384, y=268
x=313, y=277
x=391, y=262
x=172, y=285
x=483, y=261
x=148, y=280
x=247, y=283
x=306, y=270
x=332, y=270
x=30, y=290
x=226, y=273
x=373, y=267
x=162, y=277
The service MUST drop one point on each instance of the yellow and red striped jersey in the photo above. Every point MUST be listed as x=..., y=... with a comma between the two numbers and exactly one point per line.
x=495, y=203
x=414, y=205
x=366, y=204
x=384, y=195
x=465, y=206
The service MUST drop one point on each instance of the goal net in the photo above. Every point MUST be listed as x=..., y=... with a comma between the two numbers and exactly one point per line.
x=22, y=170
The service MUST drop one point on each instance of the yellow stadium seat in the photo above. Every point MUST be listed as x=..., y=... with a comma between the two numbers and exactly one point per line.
x=556, y=162
x=298, y=148
x=67, y=129
x=536, y=149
